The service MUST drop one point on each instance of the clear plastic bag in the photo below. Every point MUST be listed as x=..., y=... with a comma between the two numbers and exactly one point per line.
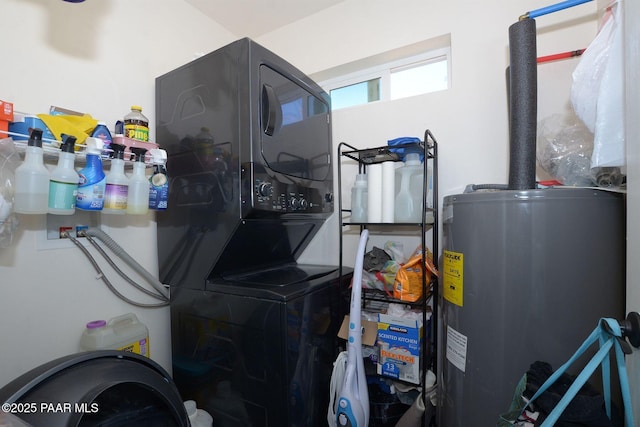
x=597, y=92
x=9, y=161
x=381, y=267
x=564, y=148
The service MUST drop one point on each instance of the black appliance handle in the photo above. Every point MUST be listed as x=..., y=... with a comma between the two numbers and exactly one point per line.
x=269, y=101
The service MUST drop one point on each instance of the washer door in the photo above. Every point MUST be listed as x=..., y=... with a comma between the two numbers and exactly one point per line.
x=107, y=388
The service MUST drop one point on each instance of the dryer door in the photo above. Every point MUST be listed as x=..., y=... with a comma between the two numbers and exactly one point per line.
x=107, y=388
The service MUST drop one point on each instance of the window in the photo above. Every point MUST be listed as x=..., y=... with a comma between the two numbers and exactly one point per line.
x=393, y=75
x=355, y=94
x=418, y=78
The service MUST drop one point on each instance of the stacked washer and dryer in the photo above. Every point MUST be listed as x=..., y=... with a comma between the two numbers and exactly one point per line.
x=254, y=332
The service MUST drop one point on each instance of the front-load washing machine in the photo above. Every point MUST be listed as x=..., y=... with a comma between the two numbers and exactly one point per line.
x=106, y=388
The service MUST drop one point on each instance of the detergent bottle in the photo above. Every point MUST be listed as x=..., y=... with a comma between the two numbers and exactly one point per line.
x=198, y=417
x=158, y=182
x=409, y=185
x=102, y=131
x=359, y=199
x=123, y=332
x=136, y=124
x=63, y=185
x=92, y=178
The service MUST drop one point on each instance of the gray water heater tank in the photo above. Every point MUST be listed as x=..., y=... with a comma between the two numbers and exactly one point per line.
x=525, y=276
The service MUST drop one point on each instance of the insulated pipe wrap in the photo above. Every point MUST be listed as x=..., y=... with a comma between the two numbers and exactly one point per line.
x=523, y=104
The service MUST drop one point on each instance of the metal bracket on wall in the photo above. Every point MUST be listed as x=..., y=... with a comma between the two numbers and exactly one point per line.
x=53, y=237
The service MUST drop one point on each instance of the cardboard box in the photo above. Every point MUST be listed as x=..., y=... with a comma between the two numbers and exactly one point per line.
x=369, y=331
x=399, y=346
x=6, y=116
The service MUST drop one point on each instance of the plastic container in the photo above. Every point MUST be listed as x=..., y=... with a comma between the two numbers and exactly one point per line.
x=158, y=182
x=138, y=200
x=388, y=191
x=23, y=123
x=132, y=143
x=31, y=195
x=102, y=131
x=117, y=188
x=359, y=199
x=409, y=187
x=63, y=183
x=124, y=332
x=92, y=178
x=136, y=124
x=197, y=417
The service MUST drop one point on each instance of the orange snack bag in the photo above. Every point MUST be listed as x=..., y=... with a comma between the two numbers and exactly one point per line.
x=408, y=283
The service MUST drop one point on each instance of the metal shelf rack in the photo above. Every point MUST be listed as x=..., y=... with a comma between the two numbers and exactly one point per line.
x=368, y=156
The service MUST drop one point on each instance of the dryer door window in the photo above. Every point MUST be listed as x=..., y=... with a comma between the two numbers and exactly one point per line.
x=295, y=127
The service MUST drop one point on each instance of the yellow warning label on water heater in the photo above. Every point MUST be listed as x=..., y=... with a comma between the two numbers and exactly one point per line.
x=452, y=277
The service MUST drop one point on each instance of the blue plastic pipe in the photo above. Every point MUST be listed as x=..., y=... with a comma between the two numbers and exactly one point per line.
x=554, y=8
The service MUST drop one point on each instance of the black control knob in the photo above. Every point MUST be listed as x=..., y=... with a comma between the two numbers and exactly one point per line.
x=294, y=203
x=265, y=189
x=304, y=204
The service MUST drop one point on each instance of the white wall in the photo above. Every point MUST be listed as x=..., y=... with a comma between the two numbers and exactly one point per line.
x=99, y=57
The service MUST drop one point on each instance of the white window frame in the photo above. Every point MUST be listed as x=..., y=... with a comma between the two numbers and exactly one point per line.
x=383, y=72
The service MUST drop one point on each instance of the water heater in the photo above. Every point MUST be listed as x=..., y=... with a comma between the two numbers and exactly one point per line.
x=526, y=274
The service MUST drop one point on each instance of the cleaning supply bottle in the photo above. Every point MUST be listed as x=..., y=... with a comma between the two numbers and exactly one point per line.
x=124, y=332
x=359, y=199
x=158, y=182
x=63, y=183
x=92, y=178
x=198, y=417
x=31, y=195
x=136, y=124
x=102, y=131
x=409, y=187
x=117, y=188
x=138, y=201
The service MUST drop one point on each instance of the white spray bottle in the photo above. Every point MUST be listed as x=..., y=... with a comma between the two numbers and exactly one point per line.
x=138, y=201
x=63, y=185
x=117, y=189
x=31, y=194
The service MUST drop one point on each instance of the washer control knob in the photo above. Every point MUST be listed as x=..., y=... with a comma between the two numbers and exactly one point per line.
x=265, y=189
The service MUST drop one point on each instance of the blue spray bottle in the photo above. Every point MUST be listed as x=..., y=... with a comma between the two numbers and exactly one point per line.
x=92, y=178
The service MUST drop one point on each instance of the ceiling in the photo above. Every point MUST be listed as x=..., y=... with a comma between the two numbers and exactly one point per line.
x=252, y=18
